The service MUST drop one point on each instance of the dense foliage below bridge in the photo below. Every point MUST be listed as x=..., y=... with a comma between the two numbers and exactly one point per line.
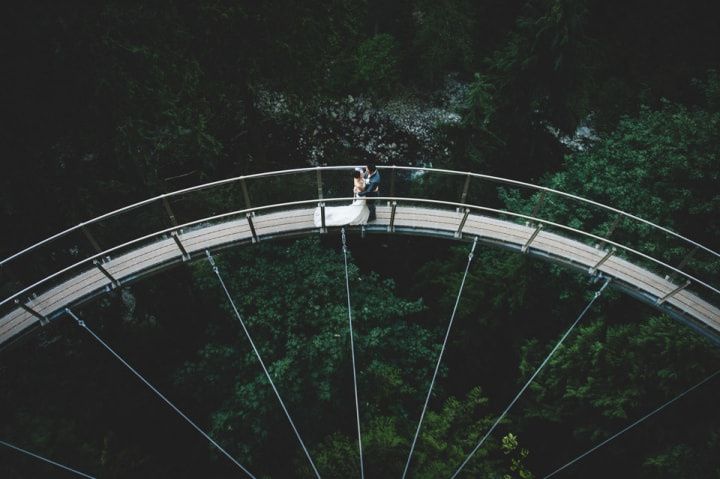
x=110, y=103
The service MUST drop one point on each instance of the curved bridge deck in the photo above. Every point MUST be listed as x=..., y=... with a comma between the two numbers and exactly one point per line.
x=159, y=254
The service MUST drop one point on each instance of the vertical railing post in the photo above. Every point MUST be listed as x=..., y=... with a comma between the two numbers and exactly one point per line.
x=246, y=196
x=538, y=205
x=466, y=213
x=180, y=245
x=606, y=256
x=672, y=293
x=323, y=228
x=392, y=182
x=391, y=225
x=610, y=231
x=169, y=211
x=43, y=319
x=319, y=185
x=463, y=197
x=91, y=239
x=672, y=276
x=526, y=246
x=114, y=282
x=249, y=216
x=687, y=258
x=613, y=226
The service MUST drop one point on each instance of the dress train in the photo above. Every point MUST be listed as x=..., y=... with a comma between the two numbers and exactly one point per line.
x=356, y=213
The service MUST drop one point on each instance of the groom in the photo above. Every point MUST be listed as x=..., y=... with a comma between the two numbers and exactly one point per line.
x=372, y=188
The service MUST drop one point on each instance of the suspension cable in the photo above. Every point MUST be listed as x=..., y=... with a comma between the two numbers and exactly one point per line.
x=352, y=352
x=257, y=354
x=529, y=381
x=439, y=359
x=657, y=410
x=36, y=456
x=84, y=325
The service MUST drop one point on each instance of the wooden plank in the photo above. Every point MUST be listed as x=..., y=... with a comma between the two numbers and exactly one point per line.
x=46, y=302
x=690, y=300
x=15, y=331
x=497, y=229
x=20, y=322
x=193, y=239
x=285, y=223
x=571, y=250
x=663, y=286
x=424, y=220
x=232, y=235
x=127, y=265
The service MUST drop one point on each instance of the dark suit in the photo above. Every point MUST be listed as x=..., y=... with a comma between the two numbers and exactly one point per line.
x=372, y=189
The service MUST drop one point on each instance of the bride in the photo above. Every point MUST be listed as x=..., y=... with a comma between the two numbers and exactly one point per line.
x=354, y=214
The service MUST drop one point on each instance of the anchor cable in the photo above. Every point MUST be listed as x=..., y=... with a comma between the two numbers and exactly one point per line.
x=352, y=352
x=84, y=325
x=37, y=456
x=262, y=363
x=439, y=360
x=529, y=381
x=627, y=428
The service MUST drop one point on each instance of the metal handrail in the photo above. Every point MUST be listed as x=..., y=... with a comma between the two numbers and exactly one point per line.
x=496, y=179
x=183, y=191
x=347, y=199
x=499, y=179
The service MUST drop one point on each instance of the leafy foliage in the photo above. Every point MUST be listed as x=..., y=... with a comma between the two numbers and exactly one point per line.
x=447, y=437
x=608, y=375
x=112, y=102
x=662, y=166
x=378, y=69
x=293, y=301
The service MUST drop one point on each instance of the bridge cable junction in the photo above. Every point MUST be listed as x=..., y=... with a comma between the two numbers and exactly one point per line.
x=529, y=381
x=439, y=360
x=352, y=352
x=262, y=363
x=627, y=428
x=84, y=325
x=37, y=456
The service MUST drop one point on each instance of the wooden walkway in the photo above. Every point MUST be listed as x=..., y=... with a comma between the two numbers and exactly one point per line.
x=162, y=253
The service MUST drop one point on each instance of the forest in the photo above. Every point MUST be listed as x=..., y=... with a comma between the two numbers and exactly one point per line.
x=108, y=103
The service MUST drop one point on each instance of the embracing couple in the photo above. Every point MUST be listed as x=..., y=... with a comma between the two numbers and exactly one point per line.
x=366, y=186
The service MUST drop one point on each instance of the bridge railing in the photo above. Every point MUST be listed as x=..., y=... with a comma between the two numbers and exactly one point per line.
x=40, y=266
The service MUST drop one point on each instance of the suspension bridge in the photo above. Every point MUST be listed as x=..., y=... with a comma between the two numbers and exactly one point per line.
x=273, y=208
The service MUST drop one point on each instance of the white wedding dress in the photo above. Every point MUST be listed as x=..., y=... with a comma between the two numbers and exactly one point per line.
x=356, y=213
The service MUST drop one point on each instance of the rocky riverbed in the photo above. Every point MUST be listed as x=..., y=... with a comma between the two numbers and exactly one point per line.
x=401, y=130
